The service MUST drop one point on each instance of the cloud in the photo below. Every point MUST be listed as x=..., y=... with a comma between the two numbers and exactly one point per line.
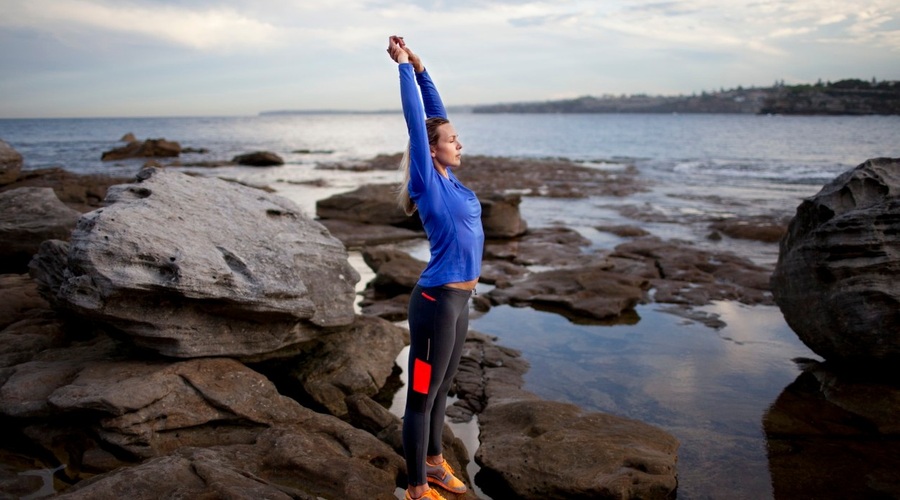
x=205, y=29
x=319, y=53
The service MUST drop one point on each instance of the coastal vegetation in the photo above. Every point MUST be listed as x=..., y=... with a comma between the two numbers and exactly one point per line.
x=844, y=97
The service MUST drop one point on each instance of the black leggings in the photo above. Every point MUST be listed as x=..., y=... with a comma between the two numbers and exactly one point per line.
x=438, y=322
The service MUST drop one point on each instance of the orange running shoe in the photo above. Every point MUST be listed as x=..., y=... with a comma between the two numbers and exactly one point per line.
x=431, y=494
x=442, y=475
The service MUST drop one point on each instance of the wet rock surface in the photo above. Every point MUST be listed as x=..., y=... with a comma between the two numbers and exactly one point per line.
x=839, y=265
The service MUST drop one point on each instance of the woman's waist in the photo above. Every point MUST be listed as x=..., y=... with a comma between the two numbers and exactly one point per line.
x=462, y=285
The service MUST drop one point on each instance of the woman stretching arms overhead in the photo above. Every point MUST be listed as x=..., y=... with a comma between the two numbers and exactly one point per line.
x=439, y=304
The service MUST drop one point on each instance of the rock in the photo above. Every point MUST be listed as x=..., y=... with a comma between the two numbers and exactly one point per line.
x=356, y=360
x=368, y=204
x=487, y=371
x=379, y=162
x=839, y=265
x=588, y=292
x=544, y=177
x=18, y=295
x=501, y=272
x=129, y=137
x=395, y=308
x=150, y=148
x=10, y=163
x=833, y=433
x=396, y=272
x=552, y=246
x=500, y=216
x=355, y=235
x=31, y=333
x=301, y=461
x=624, y=231
x=682, y=274
x=553, y=450
x=759, y=228
x=193, y=266
x=80, y=192
x=366, y=414
x=49, y=267
x=152, y=408
x=147, y=409
x=258, y=159
x=29, y=216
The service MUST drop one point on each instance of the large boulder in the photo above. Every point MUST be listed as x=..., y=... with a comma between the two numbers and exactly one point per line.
x=193, y=266
x=10, y=163
x=28, y=216
x=839, y=265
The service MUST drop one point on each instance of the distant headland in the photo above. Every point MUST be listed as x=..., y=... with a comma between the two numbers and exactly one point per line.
x=844, y=97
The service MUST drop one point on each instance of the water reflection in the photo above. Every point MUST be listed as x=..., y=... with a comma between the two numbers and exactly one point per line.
x=707, y=387
x=833, y=434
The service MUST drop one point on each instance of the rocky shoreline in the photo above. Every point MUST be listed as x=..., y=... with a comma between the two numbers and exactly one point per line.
x=179, y=335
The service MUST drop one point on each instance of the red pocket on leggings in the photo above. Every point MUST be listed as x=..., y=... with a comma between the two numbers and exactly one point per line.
x=421, y=376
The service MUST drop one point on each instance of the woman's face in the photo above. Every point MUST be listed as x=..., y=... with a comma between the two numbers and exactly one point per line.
x=447, y=151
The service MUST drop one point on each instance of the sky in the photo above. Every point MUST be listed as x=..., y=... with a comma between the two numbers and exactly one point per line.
x=124, y=58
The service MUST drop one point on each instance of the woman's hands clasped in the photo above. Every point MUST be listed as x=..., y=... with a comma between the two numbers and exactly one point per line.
x=400, y=53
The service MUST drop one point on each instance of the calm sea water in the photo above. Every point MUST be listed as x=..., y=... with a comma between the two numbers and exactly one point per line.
x=710, y=388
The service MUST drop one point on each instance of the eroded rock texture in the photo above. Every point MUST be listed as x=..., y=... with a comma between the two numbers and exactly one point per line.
x=838, y=270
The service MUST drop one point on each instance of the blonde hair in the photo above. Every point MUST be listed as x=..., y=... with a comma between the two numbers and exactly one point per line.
x=431, y=129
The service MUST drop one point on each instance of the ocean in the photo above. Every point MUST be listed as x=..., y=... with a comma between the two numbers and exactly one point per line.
x=708, y=387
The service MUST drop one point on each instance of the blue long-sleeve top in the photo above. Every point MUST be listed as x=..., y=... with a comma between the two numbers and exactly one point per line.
x=450, y=212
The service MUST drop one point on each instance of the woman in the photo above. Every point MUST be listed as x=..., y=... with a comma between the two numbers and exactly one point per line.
x=439, y=304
